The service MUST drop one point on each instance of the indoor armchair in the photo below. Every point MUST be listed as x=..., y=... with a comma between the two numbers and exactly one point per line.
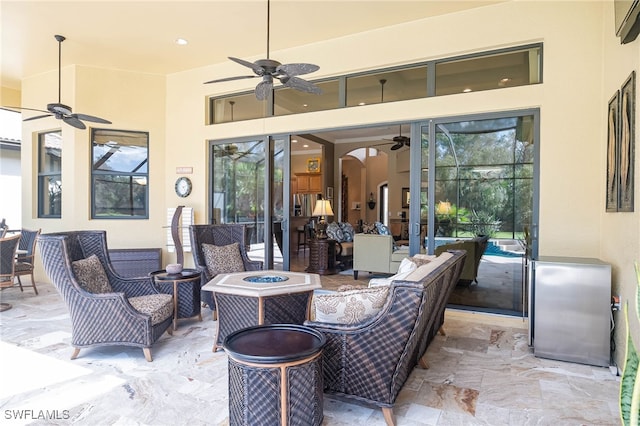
x=375, y=253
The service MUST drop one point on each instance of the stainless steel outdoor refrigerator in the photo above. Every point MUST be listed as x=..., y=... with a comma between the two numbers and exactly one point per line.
x=571, y=312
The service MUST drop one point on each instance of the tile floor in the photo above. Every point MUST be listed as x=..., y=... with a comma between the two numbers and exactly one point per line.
x=481, y=373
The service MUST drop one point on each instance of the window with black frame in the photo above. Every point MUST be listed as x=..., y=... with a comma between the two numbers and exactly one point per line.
x=50, y=174
x=119, y=174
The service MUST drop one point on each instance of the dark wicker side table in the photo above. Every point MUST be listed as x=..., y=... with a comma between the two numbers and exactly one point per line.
x=322, y=256
x=275, y=375
x=185, y=288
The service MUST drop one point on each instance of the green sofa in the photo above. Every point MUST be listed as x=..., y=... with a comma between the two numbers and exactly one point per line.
x=475, y=248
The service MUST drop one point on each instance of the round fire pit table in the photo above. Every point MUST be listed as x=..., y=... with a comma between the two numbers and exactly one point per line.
x=275, y=375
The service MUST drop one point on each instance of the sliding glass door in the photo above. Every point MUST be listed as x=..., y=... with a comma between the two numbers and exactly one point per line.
x=247, y=188
x=477, y=176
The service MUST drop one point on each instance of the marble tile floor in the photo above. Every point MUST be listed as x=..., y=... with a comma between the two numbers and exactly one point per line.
x=481, y=373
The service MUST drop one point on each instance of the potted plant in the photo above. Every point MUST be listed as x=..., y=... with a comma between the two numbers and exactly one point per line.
x=630, y=383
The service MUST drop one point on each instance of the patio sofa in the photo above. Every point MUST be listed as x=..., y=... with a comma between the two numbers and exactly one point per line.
x=369, y=358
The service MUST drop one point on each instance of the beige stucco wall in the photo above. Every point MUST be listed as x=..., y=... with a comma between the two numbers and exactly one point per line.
x=571, y=101
x=9, y=96
x=583, y=64
x=132, y=101
x=620, y=232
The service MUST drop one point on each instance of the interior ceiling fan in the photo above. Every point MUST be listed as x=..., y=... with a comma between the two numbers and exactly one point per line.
x=400, y=141
x=268, y=69
x=58, y=109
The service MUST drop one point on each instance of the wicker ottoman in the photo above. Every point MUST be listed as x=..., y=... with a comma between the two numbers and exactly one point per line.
x=275, y=375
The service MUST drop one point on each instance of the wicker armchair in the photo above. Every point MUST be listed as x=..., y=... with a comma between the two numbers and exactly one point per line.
x=108, y=318
x=25, y=262
x=219, y=235
x=8, y=247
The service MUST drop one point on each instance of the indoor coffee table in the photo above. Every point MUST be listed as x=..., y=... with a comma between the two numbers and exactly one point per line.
x=250, y=298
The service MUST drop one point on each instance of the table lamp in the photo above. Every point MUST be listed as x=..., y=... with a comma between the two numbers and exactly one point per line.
x=322, y=209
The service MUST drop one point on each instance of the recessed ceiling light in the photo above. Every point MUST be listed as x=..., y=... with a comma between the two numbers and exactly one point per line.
x=467, y=90
x=294, y=140
x=362, y=103
x=182, y=41
x=504, y=81
x=305, y=105
x=305, y=146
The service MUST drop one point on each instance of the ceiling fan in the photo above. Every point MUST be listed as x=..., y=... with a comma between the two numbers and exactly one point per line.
x=59, y=110
x=268, y=69
x=400, y=141
x=225, y=150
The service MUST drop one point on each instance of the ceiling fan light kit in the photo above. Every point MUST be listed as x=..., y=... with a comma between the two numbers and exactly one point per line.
x=268, y=69
x=59, y=110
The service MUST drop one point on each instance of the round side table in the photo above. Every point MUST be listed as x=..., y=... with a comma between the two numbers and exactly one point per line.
x=185, y=288
x=322, y=256
x=275, y=375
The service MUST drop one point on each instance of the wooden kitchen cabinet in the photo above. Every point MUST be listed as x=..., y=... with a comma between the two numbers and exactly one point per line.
x=309, y=183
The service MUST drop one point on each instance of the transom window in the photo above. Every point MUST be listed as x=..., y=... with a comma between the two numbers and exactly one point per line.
x=496, y=69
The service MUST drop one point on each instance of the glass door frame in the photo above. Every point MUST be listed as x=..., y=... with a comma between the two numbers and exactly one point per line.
x=415, y=175
x=269, y=144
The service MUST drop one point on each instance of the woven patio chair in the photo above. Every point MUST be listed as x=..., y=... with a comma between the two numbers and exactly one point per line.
x=25, y=262
x=218, y=235
x=122, y=311
x=8, y=247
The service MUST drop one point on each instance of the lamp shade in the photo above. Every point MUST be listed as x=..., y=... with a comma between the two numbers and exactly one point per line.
x=323, y=208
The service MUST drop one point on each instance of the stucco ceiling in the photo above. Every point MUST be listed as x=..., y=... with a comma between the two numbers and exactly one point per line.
x=140, y=35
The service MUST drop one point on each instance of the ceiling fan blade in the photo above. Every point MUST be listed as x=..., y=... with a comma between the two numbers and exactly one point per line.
x=220, y=80
x=397, y=146
x=37, y=117
x=300, y=84
x=263, y=88
x=256, y=68
x=73, y=121
x=91, y=118
x=297, y=69
x=12, y=109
